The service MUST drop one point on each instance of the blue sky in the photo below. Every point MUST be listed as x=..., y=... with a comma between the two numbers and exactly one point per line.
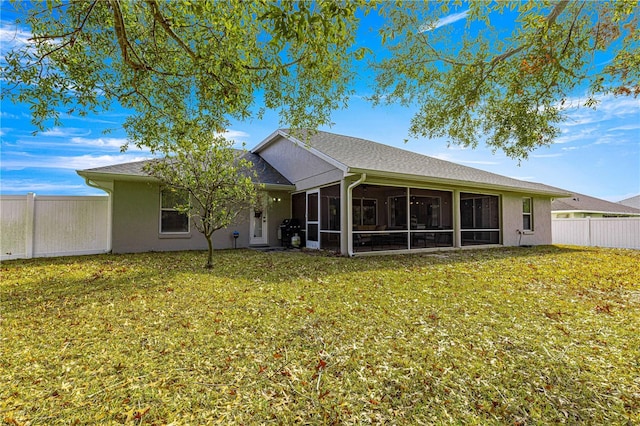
x=598, y=153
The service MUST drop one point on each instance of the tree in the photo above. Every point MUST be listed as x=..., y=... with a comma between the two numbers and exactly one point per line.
x=215, y=181
x=184, y=64
x=512, y=88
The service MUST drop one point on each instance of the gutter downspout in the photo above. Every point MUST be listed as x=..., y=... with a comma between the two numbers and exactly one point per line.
x=349, y=203
x=92, y=184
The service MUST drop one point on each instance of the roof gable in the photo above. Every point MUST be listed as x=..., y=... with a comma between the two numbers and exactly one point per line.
x=358, y=155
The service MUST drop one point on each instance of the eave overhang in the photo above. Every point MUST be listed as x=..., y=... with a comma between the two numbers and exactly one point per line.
x=278, y=187
x=114, y=176
x=90, y=176
x=372, y=174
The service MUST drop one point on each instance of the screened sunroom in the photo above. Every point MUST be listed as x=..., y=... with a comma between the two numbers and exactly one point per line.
x=387, y=218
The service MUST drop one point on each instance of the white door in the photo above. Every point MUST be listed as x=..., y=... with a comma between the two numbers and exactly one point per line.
x=313, y=219
x=258, y=227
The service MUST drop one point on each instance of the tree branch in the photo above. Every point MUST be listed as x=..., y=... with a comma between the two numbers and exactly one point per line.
x=265, y=68
x=73, y=33
x=71, y=41
x=167, y=28
x=551, y=19
x=573, y=24
x=123, y=41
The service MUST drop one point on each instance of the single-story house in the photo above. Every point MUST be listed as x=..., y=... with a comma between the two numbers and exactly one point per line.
x=348, y=194
x=581, y=206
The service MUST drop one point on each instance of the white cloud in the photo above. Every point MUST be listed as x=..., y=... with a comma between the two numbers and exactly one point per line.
x=442, y=156
x=23, y=161
x=626, y=127
x=577, y=135
x=100, y=142
x=607, y=105
x=92, y=119
x=613, y=139
x=91, y=161
x=619, y=106
x=449, y=19
x=23, y=186
x=479, y=162
x=234, y=134
x=8, y=115
x=237, y=136
x=63, y=139
x=12, y=36
x=614, y=122
x=582, y=118
x=546, y=155
x=65, y=132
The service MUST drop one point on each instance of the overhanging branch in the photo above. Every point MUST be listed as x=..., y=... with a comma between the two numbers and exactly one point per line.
x=158, y=17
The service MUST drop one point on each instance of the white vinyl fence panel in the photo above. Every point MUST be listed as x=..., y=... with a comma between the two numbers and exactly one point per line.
x=615, y=232
x=53, y=226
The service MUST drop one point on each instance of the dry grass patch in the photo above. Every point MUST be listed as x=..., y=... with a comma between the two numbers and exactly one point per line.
x=519, y=336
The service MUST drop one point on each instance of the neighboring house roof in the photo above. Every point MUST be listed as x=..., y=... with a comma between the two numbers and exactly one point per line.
x=135, y=171
x=631, y=202
x=586, y=204
x=356, y=155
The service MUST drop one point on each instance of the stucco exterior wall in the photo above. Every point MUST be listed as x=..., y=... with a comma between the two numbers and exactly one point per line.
x=512, y=221
x=136, y=222
x=300, y=166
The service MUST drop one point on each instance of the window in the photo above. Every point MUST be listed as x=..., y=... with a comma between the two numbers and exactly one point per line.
x=527, y=214
x=365, y=211
x=425, y=212
x=171, y=220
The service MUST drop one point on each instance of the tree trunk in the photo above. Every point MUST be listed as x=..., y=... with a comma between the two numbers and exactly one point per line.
x=209, y=264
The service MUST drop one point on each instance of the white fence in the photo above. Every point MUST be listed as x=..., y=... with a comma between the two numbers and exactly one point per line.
x=45, y=226
x=618, y=232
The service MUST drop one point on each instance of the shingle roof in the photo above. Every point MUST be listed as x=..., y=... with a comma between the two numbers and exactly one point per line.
x=585, y=203
x=364, y=155
x=266, y=173
x=135, y=168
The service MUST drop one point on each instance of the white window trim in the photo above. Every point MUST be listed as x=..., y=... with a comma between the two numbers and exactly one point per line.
x=530, y=214
x=186, y=233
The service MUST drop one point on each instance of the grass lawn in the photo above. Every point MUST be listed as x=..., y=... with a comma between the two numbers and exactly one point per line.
x=502, y=336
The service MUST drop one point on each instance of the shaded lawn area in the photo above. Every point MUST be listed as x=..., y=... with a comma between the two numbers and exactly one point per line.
x=518, y=336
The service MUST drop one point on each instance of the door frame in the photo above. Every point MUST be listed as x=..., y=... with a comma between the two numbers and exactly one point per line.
x=264, y=239
x=312, y=244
